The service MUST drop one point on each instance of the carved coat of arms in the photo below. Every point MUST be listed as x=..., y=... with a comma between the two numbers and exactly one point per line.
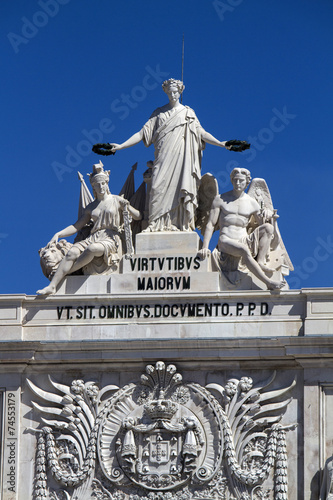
x=161, y=438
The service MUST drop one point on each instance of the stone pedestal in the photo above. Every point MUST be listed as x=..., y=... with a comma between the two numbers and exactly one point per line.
x=163, y=262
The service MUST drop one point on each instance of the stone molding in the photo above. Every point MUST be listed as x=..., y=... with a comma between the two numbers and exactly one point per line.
x=106, y=317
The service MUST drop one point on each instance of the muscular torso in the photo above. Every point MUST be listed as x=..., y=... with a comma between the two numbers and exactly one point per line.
x=235, y=214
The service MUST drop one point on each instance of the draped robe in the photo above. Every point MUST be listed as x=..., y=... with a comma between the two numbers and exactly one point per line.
x=176, y=135
x=107, y=222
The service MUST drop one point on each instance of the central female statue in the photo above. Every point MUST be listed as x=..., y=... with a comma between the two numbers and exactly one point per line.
x=178, y=139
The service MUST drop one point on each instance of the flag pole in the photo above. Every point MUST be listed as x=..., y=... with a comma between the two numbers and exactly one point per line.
x=181, y=97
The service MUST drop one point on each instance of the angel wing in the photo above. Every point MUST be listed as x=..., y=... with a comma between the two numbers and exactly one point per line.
x=259, y=191
x=67, y=442
x=207, y=191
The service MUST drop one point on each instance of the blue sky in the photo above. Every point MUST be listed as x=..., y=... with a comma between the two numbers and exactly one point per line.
x=79, y=72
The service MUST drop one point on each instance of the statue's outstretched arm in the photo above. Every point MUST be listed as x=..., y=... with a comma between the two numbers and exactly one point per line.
x=72, y=229
x=135, y=139
x=207, y=137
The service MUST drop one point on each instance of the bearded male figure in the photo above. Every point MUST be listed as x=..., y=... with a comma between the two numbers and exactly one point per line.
x=179, y=140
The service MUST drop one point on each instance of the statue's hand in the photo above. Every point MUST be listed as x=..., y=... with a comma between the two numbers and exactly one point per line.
x=269, y=215
x=53, y=240
x=124, y=203
x=115, y=147
x=204, y=253
x=266, y=215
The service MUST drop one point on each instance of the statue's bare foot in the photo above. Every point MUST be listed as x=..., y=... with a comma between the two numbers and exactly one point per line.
x=268, y=270
x=275, y=285
x=48, y=290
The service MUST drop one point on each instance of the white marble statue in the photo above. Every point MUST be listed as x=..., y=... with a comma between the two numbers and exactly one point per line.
x=178, y=139
x=231, y=213
x=326, y=492
x=104, y=240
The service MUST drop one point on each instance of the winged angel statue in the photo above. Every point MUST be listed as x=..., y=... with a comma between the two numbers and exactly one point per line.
x=161, y=438
x=249, y=241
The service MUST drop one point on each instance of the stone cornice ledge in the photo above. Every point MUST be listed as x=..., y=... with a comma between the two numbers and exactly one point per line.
x=286, y=352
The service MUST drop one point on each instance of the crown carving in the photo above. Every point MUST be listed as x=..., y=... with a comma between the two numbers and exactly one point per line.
x=160, y=409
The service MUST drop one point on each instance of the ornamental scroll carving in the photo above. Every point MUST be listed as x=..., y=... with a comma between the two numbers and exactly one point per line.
x=161, y=438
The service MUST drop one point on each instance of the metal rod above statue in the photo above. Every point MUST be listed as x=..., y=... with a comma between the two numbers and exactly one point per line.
x=179, y=140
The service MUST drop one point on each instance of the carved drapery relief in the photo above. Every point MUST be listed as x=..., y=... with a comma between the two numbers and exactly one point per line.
x=162, y=438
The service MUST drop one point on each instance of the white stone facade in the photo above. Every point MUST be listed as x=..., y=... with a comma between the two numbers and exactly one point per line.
x=210, y=337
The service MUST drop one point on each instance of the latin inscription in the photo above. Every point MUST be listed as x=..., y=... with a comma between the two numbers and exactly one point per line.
x=158, y=264
x=168, y=266
x=162, y=283
x=179, y=310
